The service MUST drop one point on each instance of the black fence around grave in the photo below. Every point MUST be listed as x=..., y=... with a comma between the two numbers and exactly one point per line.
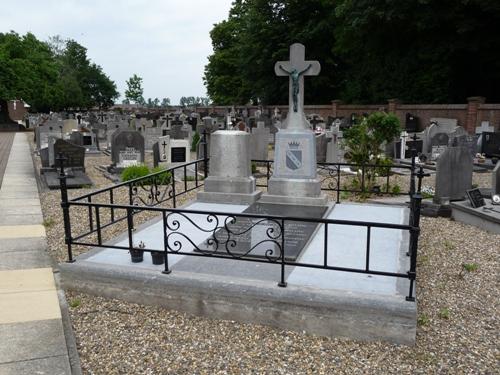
x=146, y=194
x=332, y=175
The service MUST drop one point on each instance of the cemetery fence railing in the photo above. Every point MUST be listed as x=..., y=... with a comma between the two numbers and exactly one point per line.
x=222, y=228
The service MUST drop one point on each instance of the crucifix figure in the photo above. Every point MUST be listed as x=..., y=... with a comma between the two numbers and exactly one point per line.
x=296, y=69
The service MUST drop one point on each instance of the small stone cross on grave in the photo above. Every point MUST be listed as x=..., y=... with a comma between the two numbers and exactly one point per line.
x=296, y=69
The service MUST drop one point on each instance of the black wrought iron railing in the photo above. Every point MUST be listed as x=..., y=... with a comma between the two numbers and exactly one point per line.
x=348, y=177
x=223, y=232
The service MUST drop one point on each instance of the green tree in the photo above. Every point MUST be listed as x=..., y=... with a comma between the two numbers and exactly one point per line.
x=165, y=102
x=134, y=90
x=369, y=50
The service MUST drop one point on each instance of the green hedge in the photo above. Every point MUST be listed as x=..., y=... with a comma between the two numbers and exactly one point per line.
x=137, y=171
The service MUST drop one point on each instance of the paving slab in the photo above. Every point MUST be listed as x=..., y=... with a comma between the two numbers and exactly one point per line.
x=32, y=235
x=56, y=365
x=21, y=219
x=31, y=340
x=23, y=259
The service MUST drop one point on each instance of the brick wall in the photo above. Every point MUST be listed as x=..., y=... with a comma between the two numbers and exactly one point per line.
x=469, y=115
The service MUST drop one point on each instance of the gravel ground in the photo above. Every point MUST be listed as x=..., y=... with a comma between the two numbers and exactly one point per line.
x=458, y=330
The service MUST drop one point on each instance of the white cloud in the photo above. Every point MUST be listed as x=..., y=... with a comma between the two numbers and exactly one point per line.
x=166, y=42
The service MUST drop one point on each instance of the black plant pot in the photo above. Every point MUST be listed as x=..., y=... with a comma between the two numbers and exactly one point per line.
x=157, y=258
x=136, y=256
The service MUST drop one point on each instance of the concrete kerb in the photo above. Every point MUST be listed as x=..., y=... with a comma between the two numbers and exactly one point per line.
x=323, y=312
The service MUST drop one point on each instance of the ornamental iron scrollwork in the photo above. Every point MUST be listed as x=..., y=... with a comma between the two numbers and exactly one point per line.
x=330, y=176
x=150, y=191
x=225, y=235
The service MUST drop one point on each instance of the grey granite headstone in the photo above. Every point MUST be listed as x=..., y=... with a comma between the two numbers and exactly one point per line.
x=321, y=146
x=495, y=179
x=453, y=174
x=230, y=180
x=438, y=125
x=259, y=142
x=156, y=154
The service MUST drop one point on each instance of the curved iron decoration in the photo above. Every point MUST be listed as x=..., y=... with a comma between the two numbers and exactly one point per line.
x=331, y=177
x=223, y=237
x=156, y=192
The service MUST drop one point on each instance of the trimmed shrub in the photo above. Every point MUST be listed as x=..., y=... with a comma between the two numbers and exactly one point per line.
x=134, y=171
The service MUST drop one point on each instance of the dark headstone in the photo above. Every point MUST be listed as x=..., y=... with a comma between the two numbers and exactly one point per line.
x=76, y=138
x=74, y=154
x=156, y=154
x=126, y=144
x=411, y=123
x=254, y=231
x=490, y=144
x=475, y=198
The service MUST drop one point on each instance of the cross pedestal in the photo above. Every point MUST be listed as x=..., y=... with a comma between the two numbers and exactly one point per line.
x=294, y=179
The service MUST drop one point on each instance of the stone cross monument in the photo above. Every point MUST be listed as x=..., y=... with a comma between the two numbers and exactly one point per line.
x=296, y=69
x=294, y=180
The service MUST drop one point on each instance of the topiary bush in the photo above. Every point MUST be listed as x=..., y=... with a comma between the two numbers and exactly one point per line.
x=163, y=178
x=134, y=171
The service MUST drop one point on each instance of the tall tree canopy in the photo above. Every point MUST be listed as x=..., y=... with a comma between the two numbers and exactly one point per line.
x=51, y=75
x=134, y=90
x=369, y=50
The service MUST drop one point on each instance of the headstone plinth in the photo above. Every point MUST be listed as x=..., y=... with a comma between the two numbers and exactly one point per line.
x=230, y=180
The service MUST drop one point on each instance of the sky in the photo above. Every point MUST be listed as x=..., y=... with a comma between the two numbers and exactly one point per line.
x=166, y=42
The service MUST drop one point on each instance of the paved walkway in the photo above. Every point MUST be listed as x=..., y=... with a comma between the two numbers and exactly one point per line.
x=32, y=338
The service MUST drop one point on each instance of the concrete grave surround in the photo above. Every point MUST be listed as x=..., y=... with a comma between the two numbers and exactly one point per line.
x=230, y=179
x=322, y=302
x=294, y=180
x=453, y=174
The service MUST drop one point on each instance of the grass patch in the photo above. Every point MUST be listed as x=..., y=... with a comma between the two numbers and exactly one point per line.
x=448, y=245
x=48, y=223
x=423, y=320
x=422, y=260
x=75, y=302
x=470, y=267
x=444, y=313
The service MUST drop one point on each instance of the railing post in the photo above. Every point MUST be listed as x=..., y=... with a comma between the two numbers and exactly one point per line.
x=413, y=164
x=205, y=154
x=65, y=206
x=165, y=244
x=131, y=203
x=413, y=247
x=282, y=282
